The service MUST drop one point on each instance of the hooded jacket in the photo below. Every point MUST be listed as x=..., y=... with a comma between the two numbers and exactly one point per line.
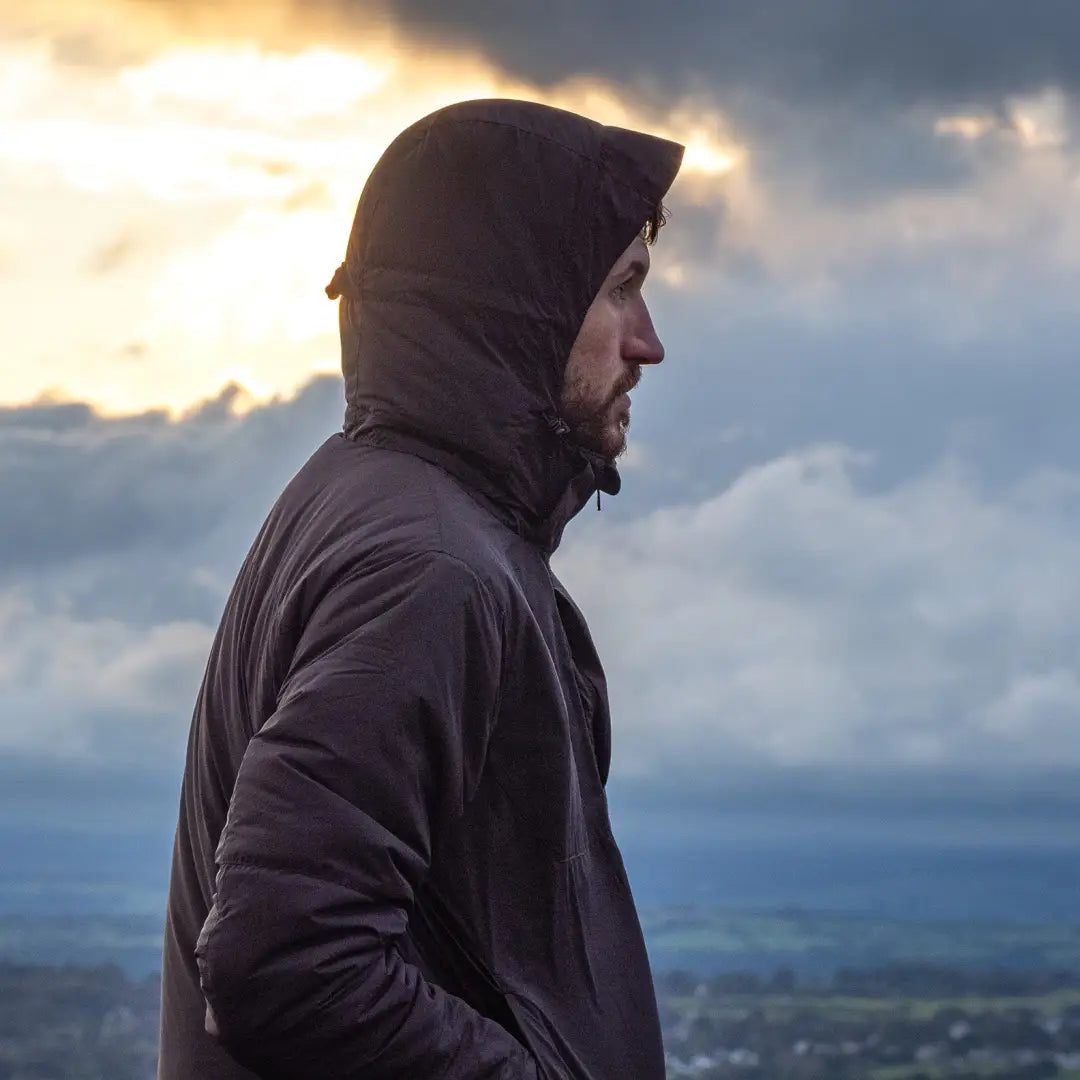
x=394, y=859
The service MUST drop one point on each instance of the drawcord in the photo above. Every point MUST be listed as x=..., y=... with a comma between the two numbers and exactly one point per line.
x=343, y=284
x=557, y=423
x=561, y=427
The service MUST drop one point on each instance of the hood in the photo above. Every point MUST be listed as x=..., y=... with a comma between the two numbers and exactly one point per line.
x=480, y=240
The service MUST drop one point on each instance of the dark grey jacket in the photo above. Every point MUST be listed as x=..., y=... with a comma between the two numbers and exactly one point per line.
x=393, y=859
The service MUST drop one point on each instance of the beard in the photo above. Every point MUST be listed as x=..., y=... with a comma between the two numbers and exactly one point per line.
x=600, y=425
x=604, y=431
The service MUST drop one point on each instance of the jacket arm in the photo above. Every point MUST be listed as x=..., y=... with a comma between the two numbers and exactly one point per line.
x=329, y=835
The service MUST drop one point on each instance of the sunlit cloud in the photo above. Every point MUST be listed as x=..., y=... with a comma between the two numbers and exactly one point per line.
x=238, y=167
x=186, y=184
x=967, y=127
x=704, y=156
x=1037, y=122
x=316, y=83
x=1040, y=120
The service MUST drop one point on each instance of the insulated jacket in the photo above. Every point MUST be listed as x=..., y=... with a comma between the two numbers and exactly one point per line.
x=393, y=859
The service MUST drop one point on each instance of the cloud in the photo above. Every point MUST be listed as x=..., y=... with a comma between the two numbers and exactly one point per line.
x=888, y=53
x=122, y=539
x=106, y=35
x=114, y=254
x=97, y=691
x=797, y=620
x=143, y=519
x=195, y=191
x=877, y=59
x=771, y=642
x=163, y=510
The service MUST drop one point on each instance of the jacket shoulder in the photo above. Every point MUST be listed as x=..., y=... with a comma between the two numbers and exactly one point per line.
x=354, y=509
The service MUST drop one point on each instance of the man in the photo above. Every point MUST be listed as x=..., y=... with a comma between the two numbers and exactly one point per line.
x=394, y=859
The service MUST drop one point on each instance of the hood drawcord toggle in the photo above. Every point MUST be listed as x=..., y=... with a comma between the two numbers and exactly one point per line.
x=343, y=284
x=557, y=423
x=562, y=429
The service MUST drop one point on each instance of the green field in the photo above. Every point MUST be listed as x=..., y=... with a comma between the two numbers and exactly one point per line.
x=705, y=940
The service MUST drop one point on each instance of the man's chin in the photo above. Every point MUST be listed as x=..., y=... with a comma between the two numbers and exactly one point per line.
x=609, y=440
x=613, y=446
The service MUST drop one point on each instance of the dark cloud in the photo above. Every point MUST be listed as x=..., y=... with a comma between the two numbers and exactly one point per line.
x=839, y=92
x=888, y=53
x=881, y=55
x=844, y=155
x=46, y=416
x=739, y=388
x=79, y=485
x=837, y=96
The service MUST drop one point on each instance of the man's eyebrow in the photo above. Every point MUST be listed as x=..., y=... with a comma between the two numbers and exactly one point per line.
x=635, y=268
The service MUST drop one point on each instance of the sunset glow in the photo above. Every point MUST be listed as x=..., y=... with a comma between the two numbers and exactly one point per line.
x=189, y=206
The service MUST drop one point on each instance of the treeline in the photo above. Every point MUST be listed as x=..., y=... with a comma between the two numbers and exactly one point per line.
x=898, y=1021
x=895, y=980
x=77, y=1023
x=71, y=1023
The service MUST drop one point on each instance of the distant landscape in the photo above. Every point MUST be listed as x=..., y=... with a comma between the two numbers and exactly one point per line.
x=704, y=941
x=817, y=944
x=775, y=959
x=889, y=1021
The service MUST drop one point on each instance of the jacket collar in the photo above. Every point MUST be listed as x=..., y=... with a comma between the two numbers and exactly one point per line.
x=593, y=474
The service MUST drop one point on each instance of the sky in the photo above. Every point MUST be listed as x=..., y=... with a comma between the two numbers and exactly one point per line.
x=843, y=574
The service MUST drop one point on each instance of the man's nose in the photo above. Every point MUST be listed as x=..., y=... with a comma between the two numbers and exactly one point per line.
x=646, y=346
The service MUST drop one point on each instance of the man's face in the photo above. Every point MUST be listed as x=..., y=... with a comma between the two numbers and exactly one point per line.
x=615, y=339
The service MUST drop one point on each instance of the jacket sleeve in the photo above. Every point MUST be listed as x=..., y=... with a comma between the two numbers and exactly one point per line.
x=377, y=738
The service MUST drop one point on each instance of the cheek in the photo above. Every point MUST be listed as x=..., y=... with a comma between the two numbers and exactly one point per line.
x=589, y=357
